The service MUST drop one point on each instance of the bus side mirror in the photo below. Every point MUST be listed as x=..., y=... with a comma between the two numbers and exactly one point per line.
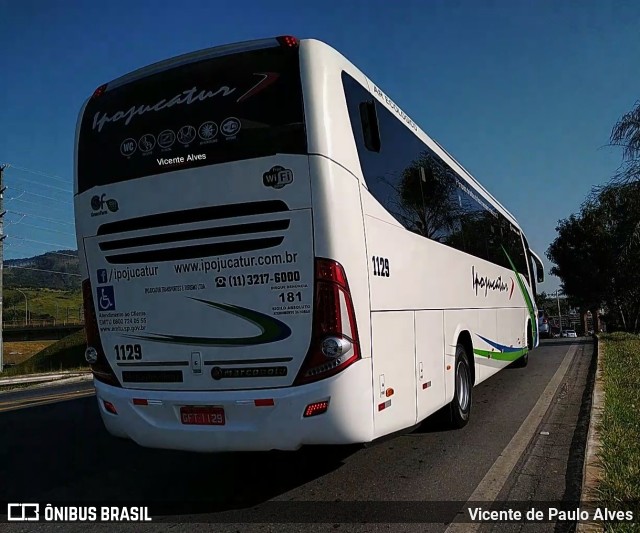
x=539, y=267
x=370, y=129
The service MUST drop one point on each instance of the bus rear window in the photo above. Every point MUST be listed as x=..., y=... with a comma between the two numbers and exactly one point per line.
x=215, y=110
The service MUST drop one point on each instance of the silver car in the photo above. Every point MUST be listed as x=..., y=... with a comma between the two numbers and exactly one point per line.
x=543, y=325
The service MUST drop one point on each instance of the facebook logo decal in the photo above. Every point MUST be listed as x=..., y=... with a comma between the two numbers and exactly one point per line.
x=23, y=512
x=102, y=275
x=106, y=298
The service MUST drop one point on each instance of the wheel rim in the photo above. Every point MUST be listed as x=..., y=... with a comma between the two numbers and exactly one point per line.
x=462, y=385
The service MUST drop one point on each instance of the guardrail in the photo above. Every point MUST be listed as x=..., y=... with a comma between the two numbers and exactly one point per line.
x=33, y=333
x=41, y=324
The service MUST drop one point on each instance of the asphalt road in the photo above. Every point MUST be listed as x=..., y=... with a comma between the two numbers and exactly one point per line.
x=60, y=452
x=21, y=398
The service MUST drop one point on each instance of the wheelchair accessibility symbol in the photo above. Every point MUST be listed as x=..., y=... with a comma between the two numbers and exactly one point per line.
x=106, y=298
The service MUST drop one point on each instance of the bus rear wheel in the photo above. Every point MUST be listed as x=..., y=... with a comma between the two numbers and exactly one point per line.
x=460, y=407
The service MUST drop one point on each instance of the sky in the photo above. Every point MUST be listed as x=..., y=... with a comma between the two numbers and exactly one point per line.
x=523, y=94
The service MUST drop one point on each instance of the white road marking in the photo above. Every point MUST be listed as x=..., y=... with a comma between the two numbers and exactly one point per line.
x=492, y=483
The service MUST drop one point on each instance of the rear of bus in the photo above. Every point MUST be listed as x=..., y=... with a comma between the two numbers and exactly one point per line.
x=211, y=324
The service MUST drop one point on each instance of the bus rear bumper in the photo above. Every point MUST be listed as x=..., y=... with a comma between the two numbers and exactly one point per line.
x=249, y=425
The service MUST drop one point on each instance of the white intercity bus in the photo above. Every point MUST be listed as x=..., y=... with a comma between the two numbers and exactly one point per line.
x=275, y=255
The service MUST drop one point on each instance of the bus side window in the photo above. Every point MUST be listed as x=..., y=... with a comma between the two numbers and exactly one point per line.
x=370, y=128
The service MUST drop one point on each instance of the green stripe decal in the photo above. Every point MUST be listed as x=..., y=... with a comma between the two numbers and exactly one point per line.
x=500, y=352
x=527, y=299
x=271, y=329
x=501, y=356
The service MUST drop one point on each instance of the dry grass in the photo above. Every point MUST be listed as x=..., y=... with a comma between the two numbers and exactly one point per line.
x=17, y=352
x=65, y=354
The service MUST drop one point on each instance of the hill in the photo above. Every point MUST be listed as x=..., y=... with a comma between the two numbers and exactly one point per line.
x=51, y=293
x=43, y=271
x=65, y=354
x=49, y=306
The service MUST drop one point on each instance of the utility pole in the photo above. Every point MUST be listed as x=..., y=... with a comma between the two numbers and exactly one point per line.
x=2, y=238
x=559, y=313
x=26, y=308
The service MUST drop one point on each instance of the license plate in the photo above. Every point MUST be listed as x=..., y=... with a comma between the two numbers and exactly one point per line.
x=202, y=415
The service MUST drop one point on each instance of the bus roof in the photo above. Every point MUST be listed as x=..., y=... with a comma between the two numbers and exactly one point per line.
x=218, y=51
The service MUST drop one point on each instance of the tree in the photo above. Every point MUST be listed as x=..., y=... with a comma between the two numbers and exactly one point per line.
x=619, y=212
x=626, y=134
x=596, y=258
x=579, y=263
x=424, y=198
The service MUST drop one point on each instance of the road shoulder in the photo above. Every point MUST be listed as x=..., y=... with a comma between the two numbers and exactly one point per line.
x=550, y=472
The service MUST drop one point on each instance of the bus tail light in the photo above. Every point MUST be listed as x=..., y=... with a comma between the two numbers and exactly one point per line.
x=110, y=408
x=316, y=408
x=99, y=91
x=334, y=337
x=94, y=354
x=288, y=41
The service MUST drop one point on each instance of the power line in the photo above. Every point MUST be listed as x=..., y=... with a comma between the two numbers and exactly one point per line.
x=17, y=197
x=38, y=173
x=63, y=255
x=68, y=234
x=14, y=222
x=37, y=252
x=24, y=191
x=59, y=246
x=42, y=270
x=40, y=205
x=12, y=244
x=68, y=191
x=40, y=217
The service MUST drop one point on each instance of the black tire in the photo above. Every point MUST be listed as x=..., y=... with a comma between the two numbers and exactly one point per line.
x=521, y=362
x=460, y=406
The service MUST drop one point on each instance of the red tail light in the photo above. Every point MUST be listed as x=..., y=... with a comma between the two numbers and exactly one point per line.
x=316, y=408
x=99, y=91
x=109, y=407
x=101, y=369
x=288, y=41
x=334, y=338
x=264, y=402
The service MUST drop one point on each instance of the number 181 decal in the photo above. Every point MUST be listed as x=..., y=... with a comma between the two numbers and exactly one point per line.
x=380, y=266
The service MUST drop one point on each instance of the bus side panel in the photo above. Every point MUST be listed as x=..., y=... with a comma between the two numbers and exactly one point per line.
x=339, y=233
x=512, y=327
x=457, y=321
x=394, y=378
x=338, y=230
x=510, y=333
x=338, y=223
x=328, y=126
x=430, y=369
x=487, y=327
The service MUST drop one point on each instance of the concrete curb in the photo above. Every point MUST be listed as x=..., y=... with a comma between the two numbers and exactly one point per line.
x=592, y=470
